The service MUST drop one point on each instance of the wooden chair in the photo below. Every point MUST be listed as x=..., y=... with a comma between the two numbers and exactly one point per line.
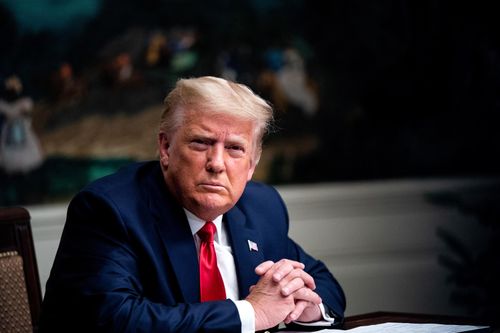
x=20, y=292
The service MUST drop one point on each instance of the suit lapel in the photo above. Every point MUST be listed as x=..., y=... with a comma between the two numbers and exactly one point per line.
x=174, y=230
x=245, y=259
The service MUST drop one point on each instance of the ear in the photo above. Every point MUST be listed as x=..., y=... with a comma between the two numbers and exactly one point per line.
x=254, y=162
x=163, y=149
x=251, y=171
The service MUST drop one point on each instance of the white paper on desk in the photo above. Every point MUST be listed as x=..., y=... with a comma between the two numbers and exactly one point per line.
x=406, y=327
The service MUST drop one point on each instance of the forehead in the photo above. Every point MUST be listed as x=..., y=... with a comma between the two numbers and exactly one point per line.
x=217, y=123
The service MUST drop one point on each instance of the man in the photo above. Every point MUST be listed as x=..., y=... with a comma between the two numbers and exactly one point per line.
x=133, y=255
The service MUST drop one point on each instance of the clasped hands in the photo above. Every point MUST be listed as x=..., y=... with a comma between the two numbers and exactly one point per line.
x=284, y=292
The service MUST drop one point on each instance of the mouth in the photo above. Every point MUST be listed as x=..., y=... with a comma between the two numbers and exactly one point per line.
x=212, y=186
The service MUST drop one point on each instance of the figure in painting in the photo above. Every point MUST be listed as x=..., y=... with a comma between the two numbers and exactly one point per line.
x=20, y=150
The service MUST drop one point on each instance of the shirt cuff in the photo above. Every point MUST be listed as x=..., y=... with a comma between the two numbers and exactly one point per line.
x=247, y=316
x=327, y=320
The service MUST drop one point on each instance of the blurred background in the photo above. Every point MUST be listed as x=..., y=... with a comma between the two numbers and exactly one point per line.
x=371, y=97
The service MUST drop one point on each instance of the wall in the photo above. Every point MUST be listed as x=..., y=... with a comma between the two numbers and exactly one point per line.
x=379, y=238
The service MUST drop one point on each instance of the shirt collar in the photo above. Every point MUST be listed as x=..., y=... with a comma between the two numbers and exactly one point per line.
x=195, y=223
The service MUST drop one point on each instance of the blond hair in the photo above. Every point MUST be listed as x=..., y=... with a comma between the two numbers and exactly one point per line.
x=213, y=95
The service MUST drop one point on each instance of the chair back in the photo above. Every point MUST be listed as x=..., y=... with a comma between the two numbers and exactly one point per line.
x=20, y=292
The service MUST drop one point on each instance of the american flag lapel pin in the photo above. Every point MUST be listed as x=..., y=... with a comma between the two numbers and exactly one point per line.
x=252, y=246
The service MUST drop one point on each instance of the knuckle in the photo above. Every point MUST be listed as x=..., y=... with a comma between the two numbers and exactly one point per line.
x=299, y=282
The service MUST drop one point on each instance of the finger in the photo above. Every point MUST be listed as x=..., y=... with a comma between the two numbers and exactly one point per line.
x=300, y=306
x=292, y=286
x=262, y=268
x=308, y=280
x=306, y=294
x=299, y=273
x=283, y=267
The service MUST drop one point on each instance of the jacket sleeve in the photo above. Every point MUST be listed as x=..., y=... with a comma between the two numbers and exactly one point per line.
x=327, y=286
x=96, y=282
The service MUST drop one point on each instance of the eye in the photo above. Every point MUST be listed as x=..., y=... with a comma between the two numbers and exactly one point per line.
x=198, y=144
x=236, y=150
x=235, y=147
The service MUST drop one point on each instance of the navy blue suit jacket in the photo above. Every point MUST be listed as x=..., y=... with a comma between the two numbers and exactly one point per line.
x=127, y=261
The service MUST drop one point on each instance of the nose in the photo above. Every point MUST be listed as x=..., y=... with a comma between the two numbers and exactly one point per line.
x=215, y=159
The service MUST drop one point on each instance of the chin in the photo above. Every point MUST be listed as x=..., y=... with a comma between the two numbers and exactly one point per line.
x=214, y=206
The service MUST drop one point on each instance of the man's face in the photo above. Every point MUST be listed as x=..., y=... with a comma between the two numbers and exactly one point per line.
x=207, y=162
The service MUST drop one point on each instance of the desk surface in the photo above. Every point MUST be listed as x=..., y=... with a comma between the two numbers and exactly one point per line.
x=384, y=317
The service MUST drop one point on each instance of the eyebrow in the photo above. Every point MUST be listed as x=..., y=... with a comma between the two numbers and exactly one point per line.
x=237, y=140
x=232, y=138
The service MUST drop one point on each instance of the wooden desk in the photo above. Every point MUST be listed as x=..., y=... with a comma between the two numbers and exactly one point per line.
x=398, y=317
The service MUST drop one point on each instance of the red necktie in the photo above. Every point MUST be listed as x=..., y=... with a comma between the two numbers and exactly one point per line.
x=211, y=284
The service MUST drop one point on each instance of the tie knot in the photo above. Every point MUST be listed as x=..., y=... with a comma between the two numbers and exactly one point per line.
x=207, y=232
